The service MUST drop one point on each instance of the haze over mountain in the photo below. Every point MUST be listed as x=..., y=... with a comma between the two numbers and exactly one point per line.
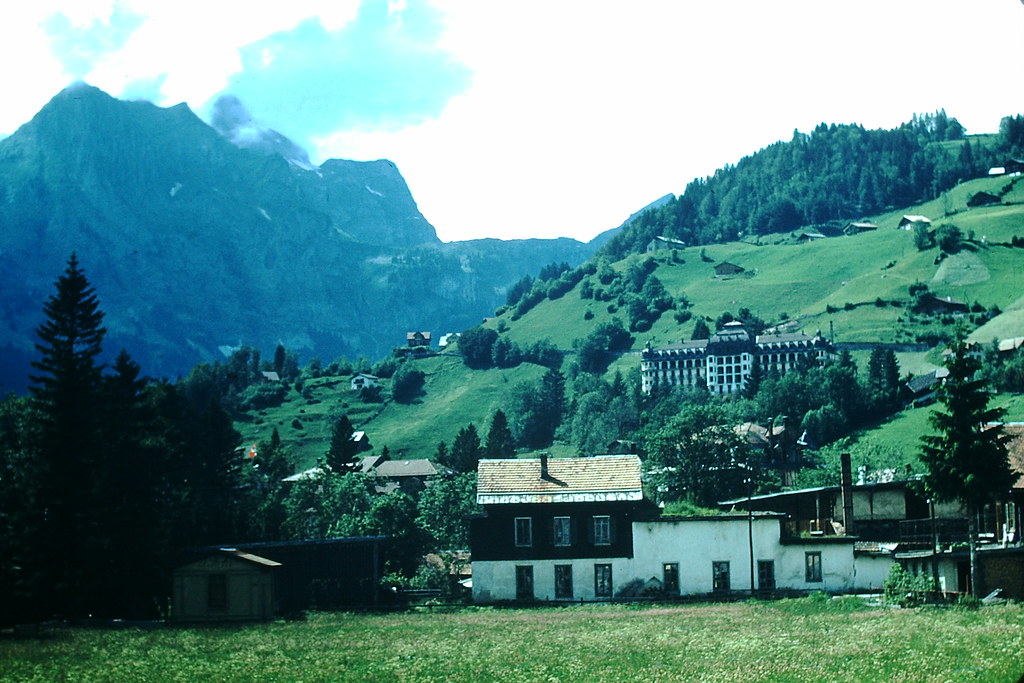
x=194, y=243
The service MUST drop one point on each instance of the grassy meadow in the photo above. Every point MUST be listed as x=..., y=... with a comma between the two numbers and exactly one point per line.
x=807, y=639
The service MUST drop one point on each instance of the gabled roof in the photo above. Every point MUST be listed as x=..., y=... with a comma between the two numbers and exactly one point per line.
x=396, y=469
x=912, y=218
x=568, y=480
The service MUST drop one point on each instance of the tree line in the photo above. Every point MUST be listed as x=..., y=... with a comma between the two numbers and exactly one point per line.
x=107, y=475
x=836, y=172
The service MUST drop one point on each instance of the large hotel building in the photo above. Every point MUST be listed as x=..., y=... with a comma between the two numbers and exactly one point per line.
x=724, y=362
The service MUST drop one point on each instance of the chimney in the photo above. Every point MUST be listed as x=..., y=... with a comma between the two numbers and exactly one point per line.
x=544, y=465
x=846, y=486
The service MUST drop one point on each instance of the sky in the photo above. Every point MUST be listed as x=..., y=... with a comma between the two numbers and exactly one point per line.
x=534, y=118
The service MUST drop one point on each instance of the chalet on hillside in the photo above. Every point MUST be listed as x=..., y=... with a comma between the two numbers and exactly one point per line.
x=857, y=227
x=270, y=376
x=414, y=339
x=363, y=380
x=725, y=269
x=920, y=390
x=806, y=237
x=932, y=303
x=662, y=242
x=909, y=222
x=982, y=199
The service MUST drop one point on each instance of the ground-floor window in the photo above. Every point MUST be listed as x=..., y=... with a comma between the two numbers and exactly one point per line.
x=524, y=582
x=670, y=574
x=720, y=576
x=766, y=575
x=812, y=567
x=563, y=581
x=603, y=580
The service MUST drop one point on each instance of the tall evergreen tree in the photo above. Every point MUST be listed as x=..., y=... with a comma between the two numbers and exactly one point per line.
x=500, y=442
x=341, y=456
x=966, y=461
x=68, y=397
x=466, y=450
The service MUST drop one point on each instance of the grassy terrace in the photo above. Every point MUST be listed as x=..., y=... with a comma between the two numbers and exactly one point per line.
x=788, y=640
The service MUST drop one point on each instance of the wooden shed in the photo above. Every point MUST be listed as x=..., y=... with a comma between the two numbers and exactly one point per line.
x=224, y=585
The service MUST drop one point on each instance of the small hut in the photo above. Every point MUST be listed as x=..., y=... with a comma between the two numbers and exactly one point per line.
x=224, y=585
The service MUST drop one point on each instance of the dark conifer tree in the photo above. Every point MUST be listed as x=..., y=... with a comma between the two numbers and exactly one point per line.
x=466, y=450
x=68, y=397
x=341, y=456
x=966, y=460
x=500, y=442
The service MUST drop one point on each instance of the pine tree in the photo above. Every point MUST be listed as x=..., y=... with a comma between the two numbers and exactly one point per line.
x=500, y=442
x=466, y=450
x=341, y=456
x=68, y=396
x=966, y=461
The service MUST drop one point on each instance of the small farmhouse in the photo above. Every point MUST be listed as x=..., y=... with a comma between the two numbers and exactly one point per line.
x=857, y=227
x=661, y=242
x=226, y=584
x=982, y=199
x=725, y=269
x=415, y=339
x=909, y=222
x=363, y=380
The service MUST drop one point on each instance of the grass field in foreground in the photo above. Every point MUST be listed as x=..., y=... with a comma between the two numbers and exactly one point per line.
x=789, y=640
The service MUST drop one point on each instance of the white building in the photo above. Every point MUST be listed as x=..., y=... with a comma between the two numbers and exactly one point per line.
x=575, y=529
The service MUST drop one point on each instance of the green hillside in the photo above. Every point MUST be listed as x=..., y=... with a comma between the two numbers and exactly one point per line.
x=453, y=397
x=802, y=281
x=855, y=287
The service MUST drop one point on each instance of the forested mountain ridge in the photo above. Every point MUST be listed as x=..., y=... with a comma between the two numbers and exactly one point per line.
x=194, y=244
x=834, y=173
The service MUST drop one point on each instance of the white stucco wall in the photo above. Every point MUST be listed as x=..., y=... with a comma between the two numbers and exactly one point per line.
x=694, y=544
x=496, y=580
x=869, y=571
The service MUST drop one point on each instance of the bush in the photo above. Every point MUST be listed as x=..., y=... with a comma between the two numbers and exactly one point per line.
x=264, y=395
x=905, y=589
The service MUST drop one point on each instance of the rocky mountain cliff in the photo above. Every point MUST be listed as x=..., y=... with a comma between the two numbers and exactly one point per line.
x=194, y=243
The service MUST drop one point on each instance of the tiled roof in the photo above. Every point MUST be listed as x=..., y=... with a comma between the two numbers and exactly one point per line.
x=418, y=467
x=599, y=474
x=1015, y=448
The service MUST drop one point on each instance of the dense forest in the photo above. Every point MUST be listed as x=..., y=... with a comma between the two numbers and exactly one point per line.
x=834, y=173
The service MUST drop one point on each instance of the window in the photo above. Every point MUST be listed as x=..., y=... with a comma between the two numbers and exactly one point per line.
x=602, y=580
x=524, y=532
x=563, y=581
x=670, y=572
x=217, y=591
x=720, y=576
x=524, y=582
x=766, y=575
x=562, y=533
x=602, y=530
x=812, y=567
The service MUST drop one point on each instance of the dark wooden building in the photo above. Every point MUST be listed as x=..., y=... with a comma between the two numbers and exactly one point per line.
x=326, y=573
